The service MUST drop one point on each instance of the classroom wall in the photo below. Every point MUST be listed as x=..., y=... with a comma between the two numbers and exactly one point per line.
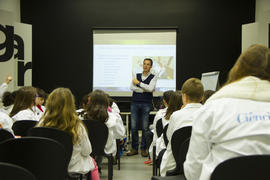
x=12, y=6
x=16, y=49
x=9, y=12
x=209, y=35
x=257, y=32
x=263, y=18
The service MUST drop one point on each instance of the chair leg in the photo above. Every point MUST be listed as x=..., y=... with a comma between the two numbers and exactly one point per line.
x=89, y=176
x=154, y=161
x=118, y=153
x=118, y=163
x=110, y=167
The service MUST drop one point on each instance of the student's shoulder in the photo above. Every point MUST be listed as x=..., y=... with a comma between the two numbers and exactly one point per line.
x=161, y=111
x=177, y=113
x=4, y=115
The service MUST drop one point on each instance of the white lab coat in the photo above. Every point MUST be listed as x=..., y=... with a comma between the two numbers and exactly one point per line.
x=115, y=108
x=179, y=119
x=81, y=161
x=6, y=109
x=3, y=88
x=159, y=115
x=6, y=122
x=160, y=143
x=119, y=128
x=116, y=129
x=233, y=122
x=26, y=114
x=80, y=114
x=38, y=112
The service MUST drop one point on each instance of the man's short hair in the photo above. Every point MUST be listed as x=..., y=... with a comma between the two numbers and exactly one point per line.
x=149, y=59
x=193, y=88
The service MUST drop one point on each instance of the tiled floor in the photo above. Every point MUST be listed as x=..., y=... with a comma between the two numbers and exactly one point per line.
x=132, y=168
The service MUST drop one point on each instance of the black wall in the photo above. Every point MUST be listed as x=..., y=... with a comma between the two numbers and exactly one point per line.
x=209, y=35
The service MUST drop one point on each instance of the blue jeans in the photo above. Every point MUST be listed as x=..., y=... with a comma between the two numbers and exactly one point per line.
x=139, y=112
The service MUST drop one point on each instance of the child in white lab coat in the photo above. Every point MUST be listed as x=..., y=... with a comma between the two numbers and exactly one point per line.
x=235, y=120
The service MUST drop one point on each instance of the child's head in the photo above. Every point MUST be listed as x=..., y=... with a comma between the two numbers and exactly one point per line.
x=8, y=98
x=84, y=102
x=60, y=101
x=207, y=94
x=41, y=96
x=192, y=91
x=25, y=98
x=255, y=61
x=175, y=103
x=166, y=97
x=97, y=106
x=61, y=113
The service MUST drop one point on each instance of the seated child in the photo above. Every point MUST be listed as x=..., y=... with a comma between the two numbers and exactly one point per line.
x=61, y=114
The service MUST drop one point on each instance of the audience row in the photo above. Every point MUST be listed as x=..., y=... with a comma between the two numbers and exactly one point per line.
x=233, y=122
x=60, y=112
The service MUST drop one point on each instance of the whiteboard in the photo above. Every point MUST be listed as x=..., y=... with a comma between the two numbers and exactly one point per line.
x=210, y=80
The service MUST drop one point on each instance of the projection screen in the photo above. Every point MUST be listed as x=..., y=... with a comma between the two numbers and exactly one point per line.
x=118, y=55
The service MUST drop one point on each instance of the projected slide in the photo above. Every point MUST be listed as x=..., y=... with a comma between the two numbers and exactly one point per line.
x=119, y=55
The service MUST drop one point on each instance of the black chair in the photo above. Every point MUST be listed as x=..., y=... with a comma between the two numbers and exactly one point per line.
x=178, y=138
x=159, y=127
x=165, y=138
x=20, y=128
x=156, y=162
x=98, y=135
x=180, y=143
x=58, y=135
x=183, y=154
x=14, y=172
x=174, y=174
x=44, y=157
x=243, y=167
x=4, y=135
x=159, y=130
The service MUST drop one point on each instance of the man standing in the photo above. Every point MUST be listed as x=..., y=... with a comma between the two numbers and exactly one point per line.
x=142, y=86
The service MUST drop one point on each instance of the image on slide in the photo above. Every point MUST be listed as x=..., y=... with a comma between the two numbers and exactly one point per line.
x=162, y=66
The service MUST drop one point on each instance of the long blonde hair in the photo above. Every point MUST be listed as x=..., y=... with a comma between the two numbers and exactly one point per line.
x=61, y=113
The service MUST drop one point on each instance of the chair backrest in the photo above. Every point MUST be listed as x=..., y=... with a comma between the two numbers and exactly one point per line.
x=98, y=135
x=20, y=128
x=159, y=127
x=178, y=138
x=56, y=134
x=5, y=134
x=165, y=138
x=44, y=157
x=14, y=172
x=243, y=167
x=183, y=154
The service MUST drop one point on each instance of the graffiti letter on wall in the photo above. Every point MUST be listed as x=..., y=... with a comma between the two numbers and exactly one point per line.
x=21, y=71
x=19, y=46
x=8, y=43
